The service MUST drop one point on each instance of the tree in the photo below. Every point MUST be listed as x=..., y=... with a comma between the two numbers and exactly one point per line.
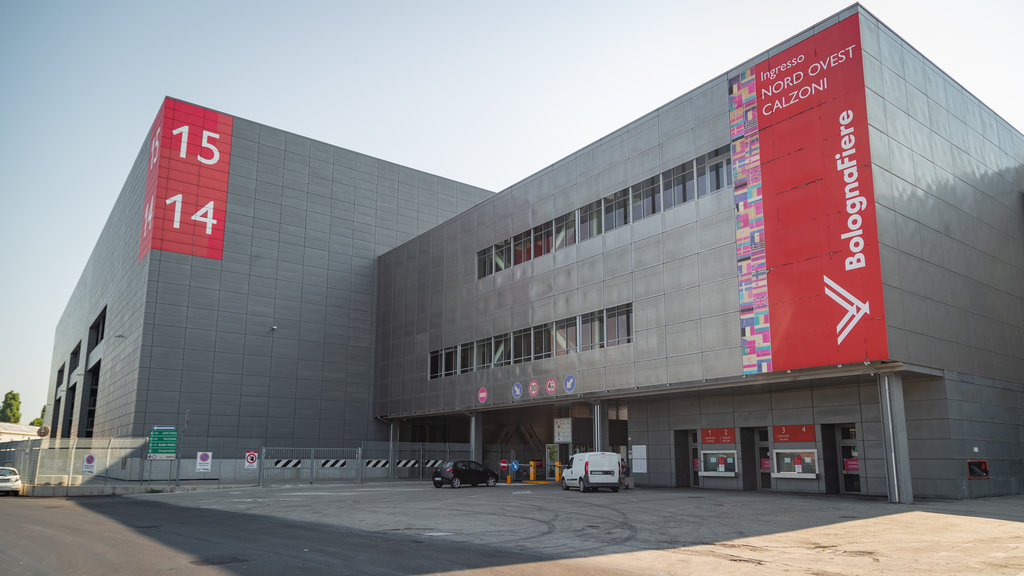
x=39, y=421
x=11, y=409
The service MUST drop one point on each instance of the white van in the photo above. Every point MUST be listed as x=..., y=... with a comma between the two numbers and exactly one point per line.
x=591, y=470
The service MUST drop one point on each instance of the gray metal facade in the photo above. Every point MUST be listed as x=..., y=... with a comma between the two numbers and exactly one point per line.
x=948, y=176
x=275, y=341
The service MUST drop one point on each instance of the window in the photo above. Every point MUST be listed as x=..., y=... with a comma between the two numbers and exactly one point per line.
x=542, y=341
x=592, y=330
x=73, y=360
x=521, y=346
x=678, y=184
x=565, y=230
x=484, y=354
x=646, y=198
x=542, y=237
x=436, y=360
x=590, y=220
x=521, y=247
x=616, y=210
x=60, y=378
x=720, y=168
x=565, y=336
x=451, y=364
x=619, y=325
x=502, y=350
x=702, y=176
x=97, y=329
x=485, y=262
x=466, y=358
x=502, y=255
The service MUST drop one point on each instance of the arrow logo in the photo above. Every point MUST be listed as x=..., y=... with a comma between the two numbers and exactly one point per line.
x=855, y=309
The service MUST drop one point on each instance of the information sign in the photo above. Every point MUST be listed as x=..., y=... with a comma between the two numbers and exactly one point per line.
x=163, y=443
x=203, y=461
x=718, y=436
x=798, y=433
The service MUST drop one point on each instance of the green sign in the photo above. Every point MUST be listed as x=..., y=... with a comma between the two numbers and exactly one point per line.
x=163, y=443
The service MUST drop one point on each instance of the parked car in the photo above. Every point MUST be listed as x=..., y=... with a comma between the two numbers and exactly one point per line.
x=591, y=470
x=459, y=472
x=10, y=481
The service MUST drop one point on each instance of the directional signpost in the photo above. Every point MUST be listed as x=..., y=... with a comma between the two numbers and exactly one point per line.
x=163, y=443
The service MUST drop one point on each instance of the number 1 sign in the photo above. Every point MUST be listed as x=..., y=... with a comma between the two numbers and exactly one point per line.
x=186, y=181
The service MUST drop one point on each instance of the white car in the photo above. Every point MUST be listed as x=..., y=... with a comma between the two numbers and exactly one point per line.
x=10, y=481
x=591, y=470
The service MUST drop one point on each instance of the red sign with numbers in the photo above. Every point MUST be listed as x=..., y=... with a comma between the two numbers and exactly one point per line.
x=186, y=181
x=718, y=436
x=798, y=433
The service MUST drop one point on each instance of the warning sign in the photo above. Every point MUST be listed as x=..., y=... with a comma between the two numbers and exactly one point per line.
x=203, y=461
x=251, y=457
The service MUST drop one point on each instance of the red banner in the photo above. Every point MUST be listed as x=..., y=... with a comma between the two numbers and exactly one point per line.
x=824, y=279
x=718, y=436
x=187, y=181
x=799, y=433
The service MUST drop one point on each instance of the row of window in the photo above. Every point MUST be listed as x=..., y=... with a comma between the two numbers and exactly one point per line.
x=608, y=327
x=692, y=179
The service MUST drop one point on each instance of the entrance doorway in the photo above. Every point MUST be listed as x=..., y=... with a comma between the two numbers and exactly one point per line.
x=687, y=451
x=841, y=458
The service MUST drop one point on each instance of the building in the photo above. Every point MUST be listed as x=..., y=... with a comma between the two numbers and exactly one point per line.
x=806, y=274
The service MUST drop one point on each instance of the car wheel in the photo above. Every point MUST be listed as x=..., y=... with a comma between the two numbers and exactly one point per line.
x=492, y=481
x=456, y=482
x=583, y=486
x=565, y=485
x=615, y=488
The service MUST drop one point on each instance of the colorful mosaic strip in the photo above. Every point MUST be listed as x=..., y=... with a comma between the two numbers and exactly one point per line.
x=750, y=254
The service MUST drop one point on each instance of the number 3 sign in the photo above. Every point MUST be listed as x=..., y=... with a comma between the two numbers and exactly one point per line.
x=186, y=181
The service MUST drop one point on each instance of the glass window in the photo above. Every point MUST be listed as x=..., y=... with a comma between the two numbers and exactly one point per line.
x=542, y=341
x=590, y=220
x=702, y=176
x=592, y=330
x=522, y=246
x=451, y=361
x=565, y=230
x=619, y=325
x=542, y=238
x=502, y=350
x=646, y=198
x=720, y=168
x=565, y=336
x=502, y=255
x=436, y=360
x=483, y=354
x=678, y=185
x=485, y=262
x=616, y=210
x=466, y=358
x=521, y=346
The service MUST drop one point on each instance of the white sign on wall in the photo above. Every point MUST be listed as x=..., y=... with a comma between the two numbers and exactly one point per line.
x=563, y=430
x=203, y=461
x=640, y=459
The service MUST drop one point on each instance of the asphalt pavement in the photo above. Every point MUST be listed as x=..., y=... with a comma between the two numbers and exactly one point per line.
x=413, y=528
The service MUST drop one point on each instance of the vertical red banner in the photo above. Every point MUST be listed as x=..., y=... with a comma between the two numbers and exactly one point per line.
x=824, y=277
x=187, y=181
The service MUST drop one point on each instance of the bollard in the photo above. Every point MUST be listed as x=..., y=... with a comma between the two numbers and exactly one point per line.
x=533, y=471
x=509, y=477
x=558, y=471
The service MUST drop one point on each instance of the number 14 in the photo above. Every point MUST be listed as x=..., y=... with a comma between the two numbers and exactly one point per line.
x=205, y=214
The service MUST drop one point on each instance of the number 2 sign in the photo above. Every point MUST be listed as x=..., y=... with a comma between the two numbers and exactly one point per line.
x=186, y=181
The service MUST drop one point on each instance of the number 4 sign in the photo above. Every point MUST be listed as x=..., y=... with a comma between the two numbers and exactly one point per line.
x=186, y=181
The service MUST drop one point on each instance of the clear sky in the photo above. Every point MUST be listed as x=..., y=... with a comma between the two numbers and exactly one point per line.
x=483, y=92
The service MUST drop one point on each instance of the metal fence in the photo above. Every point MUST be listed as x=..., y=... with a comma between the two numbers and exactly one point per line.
x=233, y=461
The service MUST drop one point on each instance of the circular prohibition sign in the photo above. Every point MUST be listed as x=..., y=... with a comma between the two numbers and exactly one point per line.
x=204, y=456
x=250, y=457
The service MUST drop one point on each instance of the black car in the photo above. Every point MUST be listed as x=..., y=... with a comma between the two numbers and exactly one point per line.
x=459, y=472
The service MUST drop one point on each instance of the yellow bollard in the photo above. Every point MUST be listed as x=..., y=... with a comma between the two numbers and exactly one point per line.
x=509, y=477
x=533, y=471
x=558, y=471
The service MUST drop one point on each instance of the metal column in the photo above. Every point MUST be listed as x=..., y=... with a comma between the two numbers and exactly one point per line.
x=476, y=436
x=894, y=438
x=600, y=426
